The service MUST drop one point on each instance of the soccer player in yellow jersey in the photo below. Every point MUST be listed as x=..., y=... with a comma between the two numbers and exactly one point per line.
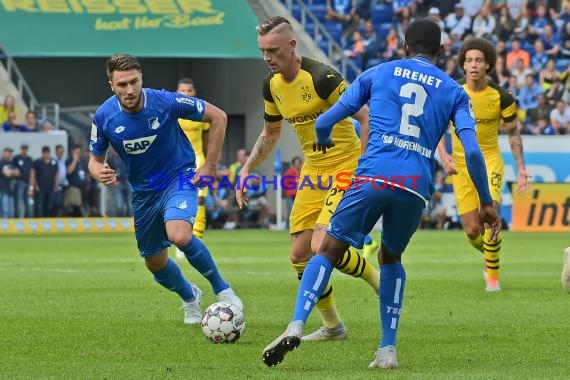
x=299, y=89
x=197, y=132
x=491, y=105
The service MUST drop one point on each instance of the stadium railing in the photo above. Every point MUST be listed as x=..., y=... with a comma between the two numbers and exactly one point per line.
x=322, y=37
x=48, y=111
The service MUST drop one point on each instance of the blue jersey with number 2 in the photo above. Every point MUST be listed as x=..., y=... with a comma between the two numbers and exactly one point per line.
x=411, y=104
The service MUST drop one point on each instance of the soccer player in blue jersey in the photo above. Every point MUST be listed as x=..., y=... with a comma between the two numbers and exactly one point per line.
x=411, y=104
x=370, y=246
x=141, y=124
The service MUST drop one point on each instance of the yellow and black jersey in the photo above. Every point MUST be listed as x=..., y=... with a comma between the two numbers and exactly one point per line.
x=315, y=89
x=193, y=131
x=491, y=106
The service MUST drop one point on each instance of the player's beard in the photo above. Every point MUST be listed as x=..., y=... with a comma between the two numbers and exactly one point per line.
x=135, y=107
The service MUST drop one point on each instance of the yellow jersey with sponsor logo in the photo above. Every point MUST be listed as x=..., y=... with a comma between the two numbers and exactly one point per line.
x=490, y=106
x=193, y=131
x=315, y=89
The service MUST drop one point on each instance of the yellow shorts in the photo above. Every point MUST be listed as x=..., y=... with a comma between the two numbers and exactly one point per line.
x=318, y=193
x=465, y=193
x=203, y=192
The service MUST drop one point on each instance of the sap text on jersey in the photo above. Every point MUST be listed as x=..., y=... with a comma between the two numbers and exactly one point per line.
x=138, y=146
x=305, y=118
x=430, y=80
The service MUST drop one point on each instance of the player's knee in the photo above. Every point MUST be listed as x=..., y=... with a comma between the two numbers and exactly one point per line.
x=157, y=262
x=299, y=257
x=386, y=256
x=332, y=250
x=472, y=231
x=179, y=237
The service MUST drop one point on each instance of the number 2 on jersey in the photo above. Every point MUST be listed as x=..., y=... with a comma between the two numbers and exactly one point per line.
x=412, y=109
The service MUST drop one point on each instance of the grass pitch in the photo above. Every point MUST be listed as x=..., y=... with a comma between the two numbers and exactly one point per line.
x=84, y=307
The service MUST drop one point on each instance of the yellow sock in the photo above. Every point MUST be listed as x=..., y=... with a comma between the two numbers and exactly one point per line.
x=492, y=252
x=200, y=223
x=326, y=304
x=327, y=308
x=355, y=265
x=477, y=243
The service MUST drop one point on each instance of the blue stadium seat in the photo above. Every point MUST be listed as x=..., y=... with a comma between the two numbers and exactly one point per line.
x=561, y=64
x=310, y=29
x=382, y=13
x=324, y=45
x=335, y=30
x=319, y=11
x=357, y=61
x=383, y=29
x=350, y=74
x=527, y=46
x=296, y=11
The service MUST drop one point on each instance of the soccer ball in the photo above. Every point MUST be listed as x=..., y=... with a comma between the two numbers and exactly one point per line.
x=223, y=323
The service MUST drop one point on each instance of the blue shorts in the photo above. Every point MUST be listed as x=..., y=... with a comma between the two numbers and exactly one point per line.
x=360, y=208
x=152, y=209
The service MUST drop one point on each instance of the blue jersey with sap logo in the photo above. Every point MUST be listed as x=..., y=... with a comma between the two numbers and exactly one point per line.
x=411, y=103
x=150, y=142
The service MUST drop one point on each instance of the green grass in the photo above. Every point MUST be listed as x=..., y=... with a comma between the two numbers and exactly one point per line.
x=84, y=307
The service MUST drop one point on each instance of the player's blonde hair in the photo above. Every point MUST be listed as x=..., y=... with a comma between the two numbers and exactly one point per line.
x=271, y=23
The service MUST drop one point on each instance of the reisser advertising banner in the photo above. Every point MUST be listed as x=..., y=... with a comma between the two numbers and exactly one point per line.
x=145, y=28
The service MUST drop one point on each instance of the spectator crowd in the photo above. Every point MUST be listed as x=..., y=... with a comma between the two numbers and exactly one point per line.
x=11, y=120
x=52, y=185
x=532, y=40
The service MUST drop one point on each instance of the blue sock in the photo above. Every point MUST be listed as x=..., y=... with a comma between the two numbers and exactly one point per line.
x=200, y=258
x=172, y=279
x=367, y=239
x=313, y=283
x=392, y=282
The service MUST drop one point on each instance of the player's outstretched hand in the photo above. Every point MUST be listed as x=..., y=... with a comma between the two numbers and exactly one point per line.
x=448, y=165
x=241, y=189
x=522, y=181
x=107, y=175
x=489, y=215
x=323, y=147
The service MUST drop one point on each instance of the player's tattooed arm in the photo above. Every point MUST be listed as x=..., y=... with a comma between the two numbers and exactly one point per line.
x=264, y=144
x=515, y=141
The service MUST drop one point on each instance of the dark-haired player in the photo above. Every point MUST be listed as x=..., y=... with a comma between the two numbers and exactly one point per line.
x=142, y=126
x=411, y=104
x=492, y=105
